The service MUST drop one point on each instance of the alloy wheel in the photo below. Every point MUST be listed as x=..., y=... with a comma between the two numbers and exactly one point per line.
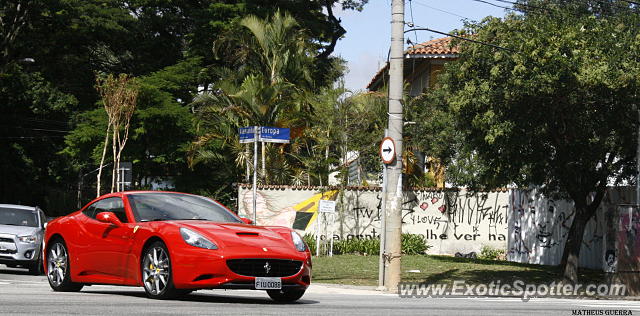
x=156, y=270
x=57, y=262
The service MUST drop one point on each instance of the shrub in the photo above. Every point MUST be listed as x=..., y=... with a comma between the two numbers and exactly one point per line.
x=490, y=253
x=357, y=246
x=411, y=245
x=310, y=240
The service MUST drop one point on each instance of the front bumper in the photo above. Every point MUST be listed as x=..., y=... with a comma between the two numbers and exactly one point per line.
x=12, y=251
x=196, y=268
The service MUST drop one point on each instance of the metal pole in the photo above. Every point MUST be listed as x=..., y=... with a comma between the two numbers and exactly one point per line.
x=394, y=194
x=318, y=233
x=383, y=220
x=333, y=221
x=80, y=183
x=255, y=174
x=638, y=164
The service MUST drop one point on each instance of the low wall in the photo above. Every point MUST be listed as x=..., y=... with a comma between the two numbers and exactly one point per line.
x=530, y=227
x=538, y=228
x=451, y=221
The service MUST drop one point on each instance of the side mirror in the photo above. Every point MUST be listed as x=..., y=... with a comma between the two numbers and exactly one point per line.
x=45, y=225
x=246, y=220
x=109, y=218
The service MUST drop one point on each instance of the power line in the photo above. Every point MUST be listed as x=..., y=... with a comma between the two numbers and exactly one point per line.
x=524, y=5
x=631, y=2
x=443, y=11
x=461, y=38
x=37, y=129
x=412, y=21
x=29, y=137
x=39, y=120
x=495, y=5
x=514, y=8
x=635, y=4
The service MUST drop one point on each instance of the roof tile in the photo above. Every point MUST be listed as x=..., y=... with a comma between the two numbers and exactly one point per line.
x=438, y=46
x=431, y=49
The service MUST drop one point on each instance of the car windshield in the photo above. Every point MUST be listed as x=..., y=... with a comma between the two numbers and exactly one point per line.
x=18, y=217
x=174, y=206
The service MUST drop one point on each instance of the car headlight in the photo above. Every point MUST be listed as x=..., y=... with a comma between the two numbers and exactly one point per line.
x=28, y=239
x=298, y=242
x=194, y=239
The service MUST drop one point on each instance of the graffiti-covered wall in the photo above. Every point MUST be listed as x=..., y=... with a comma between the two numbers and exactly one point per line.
x=531, y=228
x=451, y=221
x=538, y=228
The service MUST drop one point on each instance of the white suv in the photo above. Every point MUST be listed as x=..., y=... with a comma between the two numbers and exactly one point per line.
x=21, y=232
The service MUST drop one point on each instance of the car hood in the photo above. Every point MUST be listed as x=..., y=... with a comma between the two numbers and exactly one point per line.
x=238, y=235
x=18, y=230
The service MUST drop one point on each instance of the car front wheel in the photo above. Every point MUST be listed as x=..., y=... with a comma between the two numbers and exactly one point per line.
x=156, y=272
x=58, y=268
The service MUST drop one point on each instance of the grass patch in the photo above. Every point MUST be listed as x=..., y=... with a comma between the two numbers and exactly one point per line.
x=363, y=270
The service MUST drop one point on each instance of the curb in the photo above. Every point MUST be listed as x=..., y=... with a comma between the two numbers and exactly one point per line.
x=329, y=288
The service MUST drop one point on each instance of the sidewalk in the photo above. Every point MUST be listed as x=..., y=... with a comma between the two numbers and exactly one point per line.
x=328, y=288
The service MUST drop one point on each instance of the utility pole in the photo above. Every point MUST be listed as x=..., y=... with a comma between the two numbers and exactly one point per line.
x=383, y=226
x=255, y=174
x=638, y=164
x=393, y=229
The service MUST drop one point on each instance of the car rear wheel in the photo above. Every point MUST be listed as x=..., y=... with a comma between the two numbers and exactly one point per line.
x=156, y=272
x=58, y=268
x=285, y=296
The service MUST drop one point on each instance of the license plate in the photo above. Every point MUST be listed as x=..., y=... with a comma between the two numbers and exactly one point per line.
x=268, y=283
x=7, y=246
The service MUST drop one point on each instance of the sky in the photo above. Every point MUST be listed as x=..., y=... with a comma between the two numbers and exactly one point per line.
x=366, y=44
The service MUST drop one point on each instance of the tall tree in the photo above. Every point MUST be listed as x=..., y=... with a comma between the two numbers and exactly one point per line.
x=274, y=63
x=556, y=107
x=51, y=50
x=119, y=97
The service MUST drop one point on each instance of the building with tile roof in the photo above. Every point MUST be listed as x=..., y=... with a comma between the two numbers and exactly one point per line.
x=422, y=64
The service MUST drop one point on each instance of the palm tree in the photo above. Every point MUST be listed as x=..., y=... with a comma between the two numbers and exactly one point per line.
x=273, y=73
x=283, y=49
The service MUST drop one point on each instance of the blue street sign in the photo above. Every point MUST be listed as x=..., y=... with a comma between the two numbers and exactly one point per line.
x=247, y=134
x=274, y=135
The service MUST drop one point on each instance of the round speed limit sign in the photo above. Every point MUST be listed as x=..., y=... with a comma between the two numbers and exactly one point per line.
x=388, y=150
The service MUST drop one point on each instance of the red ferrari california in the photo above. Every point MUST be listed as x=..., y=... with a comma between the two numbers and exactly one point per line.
x=172, y=244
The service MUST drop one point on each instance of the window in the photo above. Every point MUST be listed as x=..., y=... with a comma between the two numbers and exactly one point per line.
x=176, y=206
x=18, y=217
x=112, y=204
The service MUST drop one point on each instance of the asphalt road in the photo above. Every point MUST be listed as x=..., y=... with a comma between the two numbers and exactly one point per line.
x=21, y=293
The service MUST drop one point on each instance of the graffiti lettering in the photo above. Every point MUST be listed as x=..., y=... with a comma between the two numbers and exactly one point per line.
x=363, y=212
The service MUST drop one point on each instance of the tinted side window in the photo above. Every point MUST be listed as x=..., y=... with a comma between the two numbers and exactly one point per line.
x=117, y=207
x=113, y=204
x=90, y=210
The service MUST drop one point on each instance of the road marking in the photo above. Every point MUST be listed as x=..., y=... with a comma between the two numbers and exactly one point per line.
x=7, y=282
x=609, y=305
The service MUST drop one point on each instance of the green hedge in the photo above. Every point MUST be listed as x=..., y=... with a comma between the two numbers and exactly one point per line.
x=490, y=253
x=412, y=244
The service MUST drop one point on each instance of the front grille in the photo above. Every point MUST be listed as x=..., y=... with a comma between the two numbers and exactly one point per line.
x=5, y=239
x=264, y=267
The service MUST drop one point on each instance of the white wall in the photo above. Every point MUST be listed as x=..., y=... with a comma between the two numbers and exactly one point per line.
x=531, y=228
x=451, y=221
x=539, y=226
